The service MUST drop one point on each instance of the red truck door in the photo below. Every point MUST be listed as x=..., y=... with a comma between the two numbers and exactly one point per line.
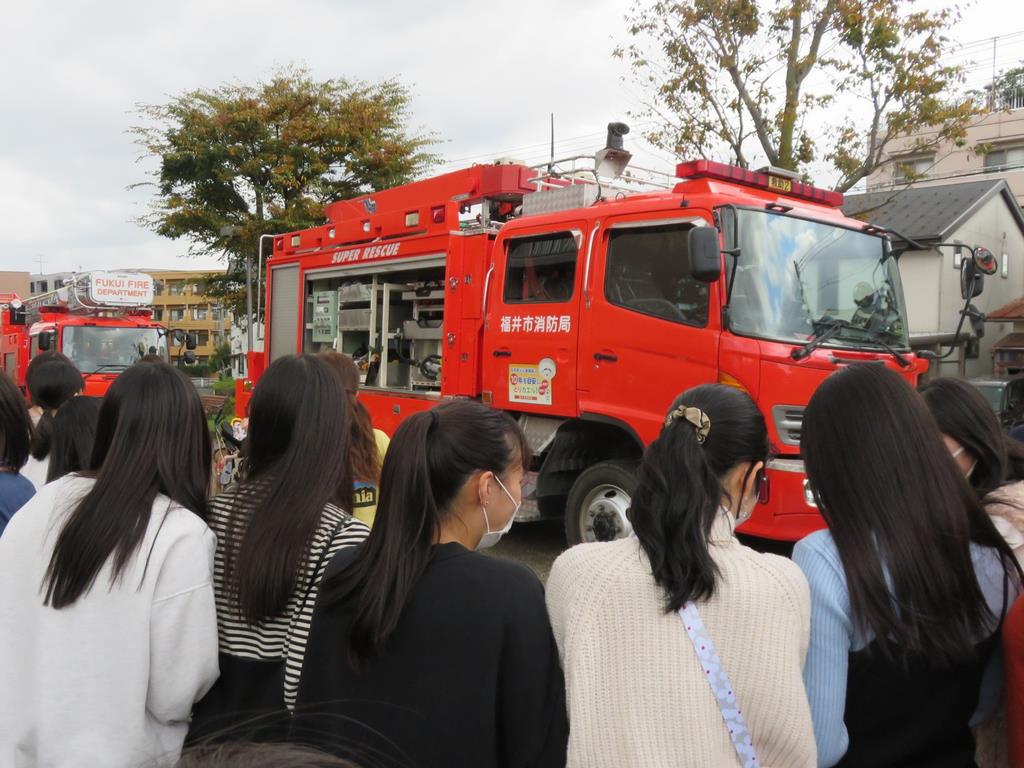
x=531, y=319
x=650, y=330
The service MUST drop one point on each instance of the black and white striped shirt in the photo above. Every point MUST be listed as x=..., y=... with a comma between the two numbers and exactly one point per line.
x=283, y=637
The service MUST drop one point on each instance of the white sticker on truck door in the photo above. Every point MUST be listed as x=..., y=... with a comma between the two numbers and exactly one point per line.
x=526, y=384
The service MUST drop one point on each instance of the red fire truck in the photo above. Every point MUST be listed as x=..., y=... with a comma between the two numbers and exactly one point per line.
x=101, y=320
x=583, y=297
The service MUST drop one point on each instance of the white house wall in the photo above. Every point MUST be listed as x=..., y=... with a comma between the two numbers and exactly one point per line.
x=922, y=286
x=932, y=285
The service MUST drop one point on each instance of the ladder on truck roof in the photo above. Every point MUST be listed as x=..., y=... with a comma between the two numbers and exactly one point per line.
x=582, y=180
x=431, y=206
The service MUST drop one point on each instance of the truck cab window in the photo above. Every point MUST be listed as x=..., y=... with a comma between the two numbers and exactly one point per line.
x=541, y=269
x=648, y=272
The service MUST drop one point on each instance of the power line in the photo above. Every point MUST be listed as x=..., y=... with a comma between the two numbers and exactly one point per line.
x=563, y=147
x=988, y=40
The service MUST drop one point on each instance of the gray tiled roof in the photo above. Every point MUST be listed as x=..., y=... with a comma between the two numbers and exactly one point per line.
x=929, y=213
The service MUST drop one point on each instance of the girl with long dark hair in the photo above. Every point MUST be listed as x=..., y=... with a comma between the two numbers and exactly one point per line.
x=366, y=445
x=633, y=618
x=992, y=463
x=71, y=441
x=276, y=533
x=909, y=584
x=52, y=379
x=107, y=615
x=422, y=651
x=15, y=431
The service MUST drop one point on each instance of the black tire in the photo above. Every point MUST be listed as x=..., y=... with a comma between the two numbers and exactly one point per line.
x=593, y=514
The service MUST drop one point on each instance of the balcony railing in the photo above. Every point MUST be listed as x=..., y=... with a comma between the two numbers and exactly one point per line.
x=1009, y=98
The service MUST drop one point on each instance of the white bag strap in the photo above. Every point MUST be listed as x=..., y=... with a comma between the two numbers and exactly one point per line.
x=721, y=687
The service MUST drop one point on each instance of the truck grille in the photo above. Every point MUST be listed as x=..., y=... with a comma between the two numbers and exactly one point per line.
x=788, y=420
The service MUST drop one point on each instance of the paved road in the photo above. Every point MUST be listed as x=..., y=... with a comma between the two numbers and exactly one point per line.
x=536, y=544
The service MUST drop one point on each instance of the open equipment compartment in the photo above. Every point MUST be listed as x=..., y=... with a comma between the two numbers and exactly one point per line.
x=390, y=321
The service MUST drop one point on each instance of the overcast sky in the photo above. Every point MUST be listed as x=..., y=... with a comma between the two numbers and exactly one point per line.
x=485, y=77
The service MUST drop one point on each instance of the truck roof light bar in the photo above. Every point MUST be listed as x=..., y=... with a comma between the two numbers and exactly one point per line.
x=782, y=183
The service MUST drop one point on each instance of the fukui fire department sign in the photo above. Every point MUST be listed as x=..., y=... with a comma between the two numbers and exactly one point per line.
x=120, y=288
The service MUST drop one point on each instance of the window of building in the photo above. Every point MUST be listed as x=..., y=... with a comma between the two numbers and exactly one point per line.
x=175, y=288
x=202, y=338
x=177, y=313
x=1004, y=158
x=648, y=272
x=158, y=287
x=200, y=313
x=158, y=315
x=541, y=269
x=912, y=168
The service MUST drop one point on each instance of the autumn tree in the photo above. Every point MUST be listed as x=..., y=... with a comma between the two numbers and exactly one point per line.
x=238, y=161
x=792, y=82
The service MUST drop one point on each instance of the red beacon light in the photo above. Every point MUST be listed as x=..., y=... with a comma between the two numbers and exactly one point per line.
x=771, y=179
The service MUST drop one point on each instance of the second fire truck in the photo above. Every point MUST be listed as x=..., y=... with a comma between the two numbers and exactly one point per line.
x=583, y=297
x=102, y=321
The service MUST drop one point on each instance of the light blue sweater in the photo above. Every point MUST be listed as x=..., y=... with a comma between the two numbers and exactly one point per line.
x=834, y=637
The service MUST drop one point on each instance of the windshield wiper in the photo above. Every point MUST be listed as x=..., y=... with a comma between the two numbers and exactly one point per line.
x=100, y=368
x=824, y=329
x=896, y=355
x=828, y=327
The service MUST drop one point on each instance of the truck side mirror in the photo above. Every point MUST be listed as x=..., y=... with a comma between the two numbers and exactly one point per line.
x=190, y=341
x=705, y=254
x=190, y=357
x=45, y=340
x=972, y=280
x=984, y=260
x=973, y=270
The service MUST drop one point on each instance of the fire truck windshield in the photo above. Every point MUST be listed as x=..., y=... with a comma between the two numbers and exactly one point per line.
x=95, y=348
x=794, y=276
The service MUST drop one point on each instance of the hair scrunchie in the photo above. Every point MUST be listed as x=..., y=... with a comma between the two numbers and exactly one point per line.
x=695, y=417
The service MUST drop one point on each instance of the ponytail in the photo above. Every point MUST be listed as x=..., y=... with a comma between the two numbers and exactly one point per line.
x=363, y=457
x=42, y=435
x=363, y=454
x=680, y=488
x=431, y=457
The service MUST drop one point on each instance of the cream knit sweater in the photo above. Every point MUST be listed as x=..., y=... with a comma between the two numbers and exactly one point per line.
x=637, y=696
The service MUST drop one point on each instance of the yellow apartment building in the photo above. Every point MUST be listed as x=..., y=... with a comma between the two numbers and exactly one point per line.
x=180, y=301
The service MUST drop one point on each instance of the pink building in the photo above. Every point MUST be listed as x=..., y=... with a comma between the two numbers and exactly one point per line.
x=994, y=150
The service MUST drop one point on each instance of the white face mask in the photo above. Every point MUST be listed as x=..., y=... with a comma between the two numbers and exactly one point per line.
x=956, y=455
x=747, y=504
x=746, y=509
x=490, y=538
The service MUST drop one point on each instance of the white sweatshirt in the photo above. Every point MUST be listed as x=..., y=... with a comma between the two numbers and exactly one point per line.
x=110, y=680
x=36, y=470
x=635, y=688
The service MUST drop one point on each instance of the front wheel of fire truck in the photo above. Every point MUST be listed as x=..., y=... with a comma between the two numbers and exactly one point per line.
x=598, y=502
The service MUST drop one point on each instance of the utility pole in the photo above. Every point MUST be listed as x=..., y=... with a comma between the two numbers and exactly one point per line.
x=992, y=97
x=551, y=163
x=231, y=231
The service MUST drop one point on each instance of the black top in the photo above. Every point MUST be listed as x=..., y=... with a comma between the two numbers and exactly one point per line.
x=932, y=706
x=470, y=677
